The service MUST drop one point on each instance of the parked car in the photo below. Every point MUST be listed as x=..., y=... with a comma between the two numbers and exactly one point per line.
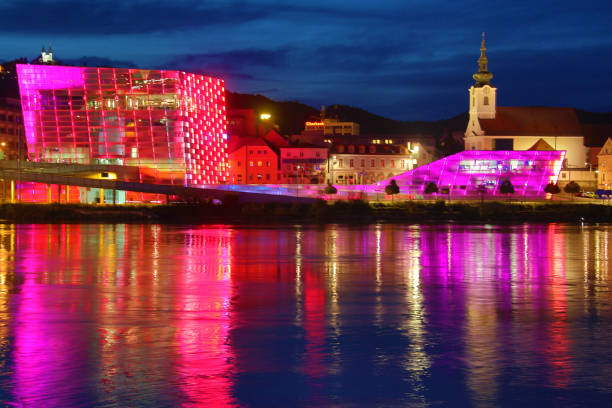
x=586, y=194
x=589, y=194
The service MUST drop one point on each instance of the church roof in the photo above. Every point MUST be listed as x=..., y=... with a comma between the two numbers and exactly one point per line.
x=596, y=134
x=532, y=121
x=541, y=145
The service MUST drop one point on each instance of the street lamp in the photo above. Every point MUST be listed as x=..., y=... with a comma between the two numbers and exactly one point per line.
x=298, y=167
x=331, y=170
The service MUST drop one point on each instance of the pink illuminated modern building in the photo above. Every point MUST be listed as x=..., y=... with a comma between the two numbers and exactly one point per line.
x=170, y=125
x=472, y=173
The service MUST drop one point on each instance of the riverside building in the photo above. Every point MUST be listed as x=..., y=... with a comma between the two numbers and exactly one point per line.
x=168, y=127
x=491, y=127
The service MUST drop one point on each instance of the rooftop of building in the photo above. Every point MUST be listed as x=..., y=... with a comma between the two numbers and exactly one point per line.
x=235, y=143
x=532, y=121
x=596, y=134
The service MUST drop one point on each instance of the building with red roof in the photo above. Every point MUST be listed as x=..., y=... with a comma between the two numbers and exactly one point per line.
x=252, y=161
x=491, y=127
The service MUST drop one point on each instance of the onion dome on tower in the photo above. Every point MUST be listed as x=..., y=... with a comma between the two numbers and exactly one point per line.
x=483, y=76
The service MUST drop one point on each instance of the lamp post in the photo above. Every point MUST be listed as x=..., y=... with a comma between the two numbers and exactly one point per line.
x=299, y=178
x=19, y=162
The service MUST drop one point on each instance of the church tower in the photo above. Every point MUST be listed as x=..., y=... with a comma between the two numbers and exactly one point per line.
x=482, y=94
x=482, y=103
x=46, y=57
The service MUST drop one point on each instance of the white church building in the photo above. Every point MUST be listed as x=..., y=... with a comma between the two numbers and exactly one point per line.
x=492, y=127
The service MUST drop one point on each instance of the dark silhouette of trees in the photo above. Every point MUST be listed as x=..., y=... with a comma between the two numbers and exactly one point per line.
x=506, y=187
x=431, y=188
x=572, y=188
x=392, y=189
x=552, y=189
x=481, y=190
x=330, y=189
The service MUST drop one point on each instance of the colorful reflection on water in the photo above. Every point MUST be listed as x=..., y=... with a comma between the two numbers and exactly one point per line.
x=149, y=315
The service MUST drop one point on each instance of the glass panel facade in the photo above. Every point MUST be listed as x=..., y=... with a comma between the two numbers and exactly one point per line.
x=464, y=173
x=171, y=125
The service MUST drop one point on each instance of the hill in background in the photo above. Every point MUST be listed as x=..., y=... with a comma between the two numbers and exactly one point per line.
x=290, y=117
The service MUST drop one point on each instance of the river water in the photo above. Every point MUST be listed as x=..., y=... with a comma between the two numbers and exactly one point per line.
x=292, y=316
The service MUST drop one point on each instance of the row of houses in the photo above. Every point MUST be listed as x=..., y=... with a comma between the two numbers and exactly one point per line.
x=258, y=154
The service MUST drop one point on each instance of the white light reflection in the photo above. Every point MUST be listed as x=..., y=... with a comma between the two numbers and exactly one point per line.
x=481, y=345
x=331, y=268
x=378, y=308
x=155, y=232
x=416, y=361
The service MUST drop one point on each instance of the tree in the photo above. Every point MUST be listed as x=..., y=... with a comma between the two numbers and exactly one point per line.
x=481, y=189
x=392, y=189
x=552, y=189
x=572, y=188
x=330, y=189
x=431, y=188
x=506, y=187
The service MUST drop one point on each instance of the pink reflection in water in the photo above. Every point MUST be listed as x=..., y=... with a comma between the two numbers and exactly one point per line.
x=558, y=351
x=204, y=357
x=204, y=316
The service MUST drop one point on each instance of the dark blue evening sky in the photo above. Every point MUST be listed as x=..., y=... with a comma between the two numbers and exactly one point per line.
x=409, y=59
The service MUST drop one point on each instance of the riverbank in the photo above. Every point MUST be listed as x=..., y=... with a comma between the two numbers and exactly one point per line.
x=355, y=211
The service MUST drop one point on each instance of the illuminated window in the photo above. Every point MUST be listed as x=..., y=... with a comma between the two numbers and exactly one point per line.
x=351, y=163
x=259, y=163
x=251, y=164
x=382, y=163
x=486, y=100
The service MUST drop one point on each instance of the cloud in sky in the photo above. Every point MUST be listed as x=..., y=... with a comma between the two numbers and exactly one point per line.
x=406, y=60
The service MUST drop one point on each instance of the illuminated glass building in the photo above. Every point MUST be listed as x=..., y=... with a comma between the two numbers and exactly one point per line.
x=170, y=125
x=470, y=173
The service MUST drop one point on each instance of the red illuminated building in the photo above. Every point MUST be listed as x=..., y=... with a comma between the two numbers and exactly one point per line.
x=252, y=161
x=169, y=125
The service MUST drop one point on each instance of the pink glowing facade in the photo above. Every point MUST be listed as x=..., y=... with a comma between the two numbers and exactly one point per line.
x=171, y=125
x=472, y=173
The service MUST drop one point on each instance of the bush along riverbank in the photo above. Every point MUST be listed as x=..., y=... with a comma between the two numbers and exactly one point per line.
x=354, y=211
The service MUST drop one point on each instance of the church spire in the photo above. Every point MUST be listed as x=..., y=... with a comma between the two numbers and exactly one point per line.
x=483, y=76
